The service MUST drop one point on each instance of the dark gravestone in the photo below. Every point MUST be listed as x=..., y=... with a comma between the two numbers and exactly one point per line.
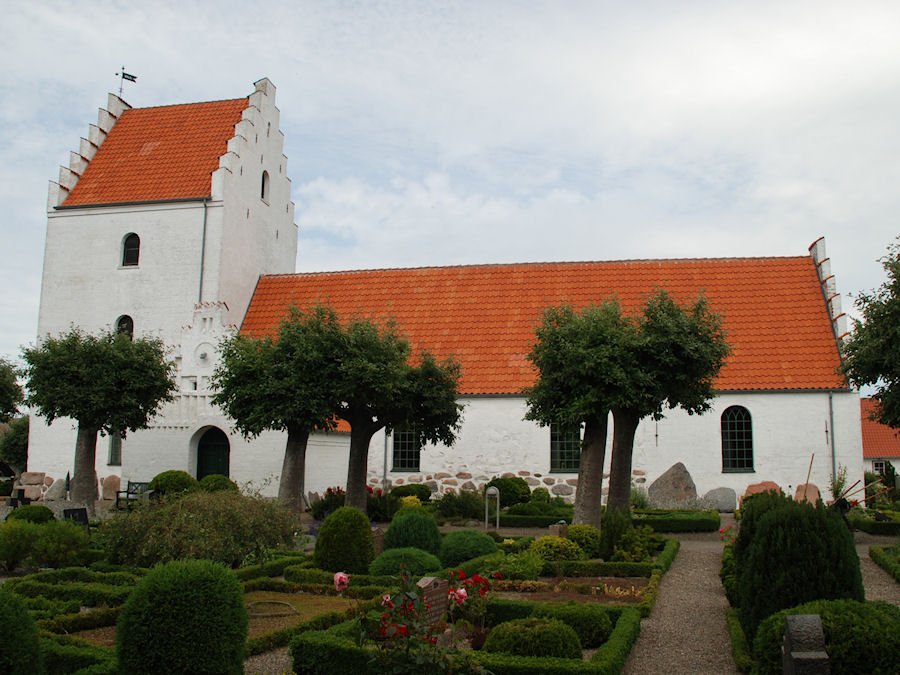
x=434, y=592
x=803, y=652
x=378, y=540
x=78, y=516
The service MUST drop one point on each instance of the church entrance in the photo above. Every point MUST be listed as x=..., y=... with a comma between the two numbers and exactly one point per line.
x=213, y=452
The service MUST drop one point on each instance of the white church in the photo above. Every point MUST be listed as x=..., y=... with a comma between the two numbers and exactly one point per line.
x=177, y=222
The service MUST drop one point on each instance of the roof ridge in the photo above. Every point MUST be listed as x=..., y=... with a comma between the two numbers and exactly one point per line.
x=546, y=263
x=179, y=105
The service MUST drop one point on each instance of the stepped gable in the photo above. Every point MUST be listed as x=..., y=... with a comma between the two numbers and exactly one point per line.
x=879, y=441
x=774, y=312
x=159, y=153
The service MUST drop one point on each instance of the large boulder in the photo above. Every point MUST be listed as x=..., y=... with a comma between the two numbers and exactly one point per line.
x=109, y=486
x=765, y=486
x=724, y=499
x=31, y=478
x=57, y=491
x=675, y=489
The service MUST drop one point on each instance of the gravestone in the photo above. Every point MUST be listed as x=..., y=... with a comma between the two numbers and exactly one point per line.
x=109, y=486
x=78, y=516
x=434, y=592
x=378, y=540
x=807, y=492
x=675, y=489
x=57, y=491
x=559, y=530
x=803, y=651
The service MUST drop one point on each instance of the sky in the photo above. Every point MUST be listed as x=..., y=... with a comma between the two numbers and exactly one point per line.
x=441, y=133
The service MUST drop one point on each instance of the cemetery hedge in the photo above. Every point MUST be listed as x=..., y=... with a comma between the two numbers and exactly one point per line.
x=888, y=559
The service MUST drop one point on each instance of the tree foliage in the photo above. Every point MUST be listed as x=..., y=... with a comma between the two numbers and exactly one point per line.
x=107, y=382
x=14, y=444
x=10, y=391
x=872, y=352
x=284, y=382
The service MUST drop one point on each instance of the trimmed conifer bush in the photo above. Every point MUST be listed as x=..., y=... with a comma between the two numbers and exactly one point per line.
x=413, y=527
x=860, y=637
x=555, y=549
x=462, y=545
x=186, y=616
x=534, y=637
x=798, y=553
x=216, y=482
x=613, y=526
x=19, y=648
x=173, y=482
x=420, y=490
x=417, y=561
x=33, y=513
x=587, y=537
x=512, y=490
x=345, y=542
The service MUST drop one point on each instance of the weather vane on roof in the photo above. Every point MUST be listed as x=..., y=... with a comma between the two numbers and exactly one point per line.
x=125, y=77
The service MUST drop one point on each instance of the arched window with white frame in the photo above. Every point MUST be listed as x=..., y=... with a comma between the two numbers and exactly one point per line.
x=737, y=440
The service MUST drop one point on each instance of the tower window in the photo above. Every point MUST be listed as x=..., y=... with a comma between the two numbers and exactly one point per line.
x=125, y=324
x=737, y=440
x=131, y=250
x=264, y=187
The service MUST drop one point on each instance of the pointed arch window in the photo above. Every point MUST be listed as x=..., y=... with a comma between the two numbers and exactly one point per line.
x=737, y=440
x=264, y=187
x=131, y=250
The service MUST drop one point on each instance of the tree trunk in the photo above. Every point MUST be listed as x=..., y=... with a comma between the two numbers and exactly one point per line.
x=590, y=473
x=357, y=466
x=293, y=471
x=83, y=488
x=625, y=423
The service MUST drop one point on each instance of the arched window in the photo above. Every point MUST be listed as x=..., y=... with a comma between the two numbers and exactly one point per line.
x=264, y=188
x=125, y=324
x=131, y=250
x=737, y=440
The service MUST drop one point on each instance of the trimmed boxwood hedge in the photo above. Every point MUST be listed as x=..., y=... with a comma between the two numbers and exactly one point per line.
x=663, y=520
x=887, y=559
x=20, y=646
x=67, y=654
x=887, y=528
x=321, y=652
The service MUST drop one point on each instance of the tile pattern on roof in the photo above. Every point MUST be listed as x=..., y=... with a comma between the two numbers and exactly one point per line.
x=485, y=315
x=878, y=440
x=166, y=152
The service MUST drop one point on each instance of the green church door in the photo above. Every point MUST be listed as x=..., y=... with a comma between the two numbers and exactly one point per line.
x=212, y=453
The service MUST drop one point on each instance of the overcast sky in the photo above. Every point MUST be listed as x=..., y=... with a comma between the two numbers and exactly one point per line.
x=422, y=133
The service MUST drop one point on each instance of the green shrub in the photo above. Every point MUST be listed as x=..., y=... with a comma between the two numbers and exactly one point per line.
x=587, y=537
x=33, y=513
x=345, y=542
x=468, y=504
x=752, y=509
x=540, y=494
x=60, y=544
x=186, y=616
x=613, y=525
x=640, y=498
x=331, y=501
x=637, y=544
x=420, y=490
x=551, y=508
x=413, y=527
x=381, y=506
x=216, y=482
x=728, y=574
x=512, y=490
x=463, y=545
x=223, y=526
x=525, y=565
x=417, y=561
x=6, y=487
x=859, y=637
x=555, y=549
x=173, y=482
x=534, y=637
x=512, y=544
x=798, y=553
x=590, y=622
x=19, y=648
x=17, y=539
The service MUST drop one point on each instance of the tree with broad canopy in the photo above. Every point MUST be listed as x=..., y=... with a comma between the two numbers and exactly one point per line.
x=106, y=382
x=10, y=391
x=872, y=351
x=286, y=382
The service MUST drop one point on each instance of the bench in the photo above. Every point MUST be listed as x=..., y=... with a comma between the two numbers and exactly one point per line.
x=126, y=498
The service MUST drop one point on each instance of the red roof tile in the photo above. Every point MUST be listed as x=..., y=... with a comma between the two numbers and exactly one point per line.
x=878, y=440
x=167, y=152
x=485, y=315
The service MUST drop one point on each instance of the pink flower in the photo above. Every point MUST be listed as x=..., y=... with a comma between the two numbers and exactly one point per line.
x=458, y=595
x=386, y=601
x=341, y=581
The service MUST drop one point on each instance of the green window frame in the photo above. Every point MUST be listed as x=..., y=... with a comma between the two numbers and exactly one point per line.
x=407, y=449
x=737, y=440
x=565, y=448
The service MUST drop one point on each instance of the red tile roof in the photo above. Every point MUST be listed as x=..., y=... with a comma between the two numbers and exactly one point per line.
x=878, y=440
x=167, y=152
x=485, y=315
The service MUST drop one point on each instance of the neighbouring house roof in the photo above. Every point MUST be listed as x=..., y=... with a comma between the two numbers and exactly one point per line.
x=879, y=440
x=160, y=153
x=485, y=315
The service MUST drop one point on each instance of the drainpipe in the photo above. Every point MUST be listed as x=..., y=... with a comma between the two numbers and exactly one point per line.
x=384, y=474
x=202, y=252
x=831, y=435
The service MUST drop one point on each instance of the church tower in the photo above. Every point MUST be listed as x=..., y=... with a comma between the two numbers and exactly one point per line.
x=161, y=226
